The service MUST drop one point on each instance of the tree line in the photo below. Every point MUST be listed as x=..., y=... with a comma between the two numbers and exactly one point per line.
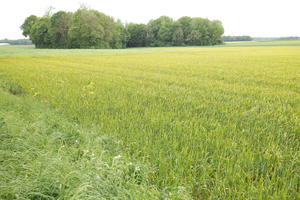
x=237, y=38
x=17, y=42
x=88, y=28
x=276, y=38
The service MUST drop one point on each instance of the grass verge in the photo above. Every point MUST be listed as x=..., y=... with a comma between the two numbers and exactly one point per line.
x=45, y=156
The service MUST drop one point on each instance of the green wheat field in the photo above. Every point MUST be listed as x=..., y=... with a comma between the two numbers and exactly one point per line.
x=202, y=123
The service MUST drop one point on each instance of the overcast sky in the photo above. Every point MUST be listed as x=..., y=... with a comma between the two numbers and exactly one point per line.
x=257, y=18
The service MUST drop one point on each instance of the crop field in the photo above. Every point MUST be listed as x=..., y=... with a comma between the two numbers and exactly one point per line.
x=206, y=122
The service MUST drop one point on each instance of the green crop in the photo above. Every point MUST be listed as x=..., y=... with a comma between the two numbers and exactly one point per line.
x=221, y=122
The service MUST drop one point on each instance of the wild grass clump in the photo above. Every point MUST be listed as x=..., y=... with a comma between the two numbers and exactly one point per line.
x=10, y=86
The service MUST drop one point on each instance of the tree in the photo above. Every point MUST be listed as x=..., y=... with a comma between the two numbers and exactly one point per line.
x=236, y=38
x=185, y=23
x=216, y=31
x=152, y=32
x=137, y=35
x=91, y=29
x=87, y=28
x=165, y=33
x=39, y=33
x=60, y=24
x=178, y=35
x=85, y=31
x=199, y=32
x=120, y=36
x=27, y=25
x=160, y=31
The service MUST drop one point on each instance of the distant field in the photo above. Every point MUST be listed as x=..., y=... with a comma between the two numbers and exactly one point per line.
x=221, y=122
x=27, y=50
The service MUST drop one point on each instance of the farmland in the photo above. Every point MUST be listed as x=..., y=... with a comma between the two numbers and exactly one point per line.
x=217, y=122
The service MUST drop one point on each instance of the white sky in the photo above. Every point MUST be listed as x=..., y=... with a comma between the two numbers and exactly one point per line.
x=257, y=18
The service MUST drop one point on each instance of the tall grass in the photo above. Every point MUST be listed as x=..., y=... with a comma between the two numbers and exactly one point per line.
x=45, y=156
x=222, y=122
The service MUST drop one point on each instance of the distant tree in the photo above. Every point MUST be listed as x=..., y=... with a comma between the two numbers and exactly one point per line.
x=40, y=34
x=60, y=24
x=236, y=38
x=216, y=31
x=178, y=35
x=205, y=32
x=165, y=33
x=194, y=38
x=288, y=38
x=27, y=25
x=120, y=36
x=185, y=23
x=198, y=33
x=153, y=28
x=160, y=31
x=137, y=35
x=91, y=29
x=87, y=28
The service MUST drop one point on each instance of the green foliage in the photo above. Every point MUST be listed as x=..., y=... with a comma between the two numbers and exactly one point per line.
x=137, y=34
x=199, y=32
x=28, y=24
x=59, y=29
x=185, y=23
x=91, y=29
x=164, y=31
x=236, y=38
x=178, y=35
x=216, y=31
x=87, y=28
x=40, y=33
x=160, y=31
x=83, y=29
x=120, y=36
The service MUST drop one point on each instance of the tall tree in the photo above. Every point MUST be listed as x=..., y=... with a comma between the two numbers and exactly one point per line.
x=216, y=31
x=27, y=25
x=91, y=29
x=40, y=34
x=160, y=31
x=178, y=35
x=60, y=24
x=185, y=23
x=137, y=35
x=199, y=32
x=120, y=36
